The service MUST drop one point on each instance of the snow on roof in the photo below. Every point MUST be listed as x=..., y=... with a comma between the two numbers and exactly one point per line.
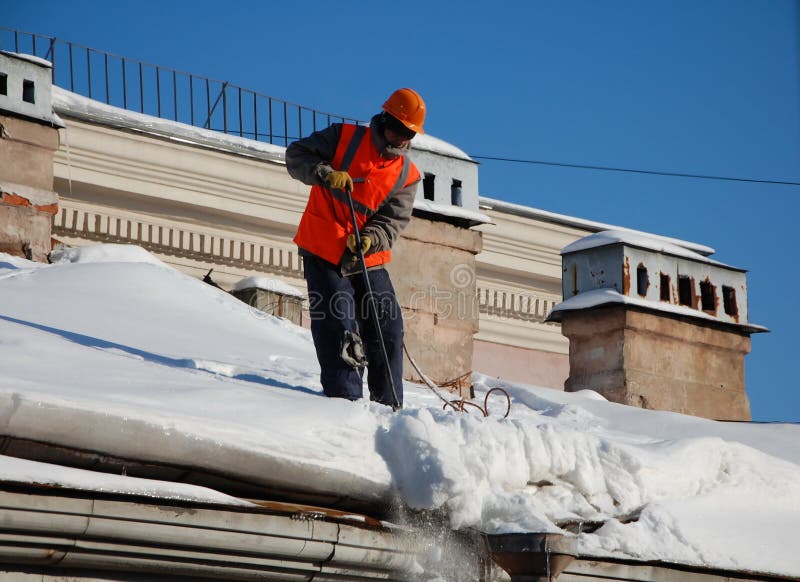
x=103, y=253
x=30, y=58
x=14, y=470
x=435, y=145
x=73, y=105
x=454, y=211
x=636, y=239
x=139, y=348
x=268, y=284
x=538, y=214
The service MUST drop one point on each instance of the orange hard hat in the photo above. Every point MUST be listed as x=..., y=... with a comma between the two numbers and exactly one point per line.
x=407, y=107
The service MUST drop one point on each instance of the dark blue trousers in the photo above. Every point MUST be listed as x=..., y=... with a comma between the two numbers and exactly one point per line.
x=341, y=314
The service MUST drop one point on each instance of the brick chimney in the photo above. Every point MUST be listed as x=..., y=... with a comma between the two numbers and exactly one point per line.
x=655, y=325
x=28, y=140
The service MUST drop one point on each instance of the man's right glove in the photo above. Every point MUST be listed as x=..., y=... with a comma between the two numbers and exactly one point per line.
x=339, y=180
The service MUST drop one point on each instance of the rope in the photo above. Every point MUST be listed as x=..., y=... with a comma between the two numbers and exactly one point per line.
x=462, y=404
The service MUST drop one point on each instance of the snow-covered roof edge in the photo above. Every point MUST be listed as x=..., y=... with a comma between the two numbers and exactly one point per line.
x=77, y=106
x=30, y=58
x=435, y=145
x=639, y=240
x=268, y=284
x=600, y=297
x=592, y=226
x=453, y=211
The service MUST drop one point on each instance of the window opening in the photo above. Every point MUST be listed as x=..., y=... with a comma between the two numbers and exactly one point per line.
x=574, y=279
x=427, y=186
x=642, y=280
x=684, y=290
x=3, y=84
x=729, y=301
x=664, y=289
x=708, y=296
x=455, y=193
x=28, y=91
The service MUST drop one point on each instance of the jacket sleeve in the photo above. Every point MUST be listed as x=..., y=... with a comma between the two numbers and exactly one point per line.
x=309, y=159
x=386, y=225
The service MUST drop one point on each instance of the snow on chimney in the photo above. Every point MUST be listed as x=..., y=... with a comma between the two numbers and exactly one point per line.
x=655, y=325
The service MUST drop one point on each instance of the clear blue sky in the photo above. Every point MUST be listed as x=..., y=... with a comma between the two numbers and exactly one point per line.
x=706, y=87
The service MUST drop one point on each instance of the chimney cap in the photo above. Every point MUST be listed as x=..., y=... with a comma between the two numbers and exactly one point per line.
x=649, y=242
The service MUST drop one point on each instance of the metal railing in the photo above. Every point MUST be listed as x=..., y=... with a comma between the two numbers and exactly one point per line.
x=170, y=94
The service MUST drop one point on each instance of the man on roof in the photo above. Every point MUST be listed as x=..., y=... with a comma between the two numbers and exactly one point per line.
x=371, y=162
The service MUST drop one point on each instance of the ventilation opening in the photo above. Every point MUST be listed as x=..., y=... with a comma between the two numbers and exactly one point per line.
x=427, y=186
x=455, y=193
x=574, y=279
x=708, y=296
x=729, y=301
x=664, y=291
x=28, y=92
x=3, y=84
x=642, y=280
x=684, y=290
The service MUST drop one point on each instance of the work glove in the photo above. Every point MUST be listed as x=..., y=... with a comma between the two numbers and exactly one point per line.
x=339, y=180
x=366, y=243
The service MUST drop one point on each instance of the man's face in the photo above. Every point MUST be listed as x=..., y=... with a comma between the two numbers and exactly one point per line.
x=398, y=140
x=395, y=133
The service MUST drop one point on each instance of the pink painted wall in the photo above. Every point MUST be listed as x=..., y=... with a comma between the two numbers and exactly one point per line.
x=520, y=364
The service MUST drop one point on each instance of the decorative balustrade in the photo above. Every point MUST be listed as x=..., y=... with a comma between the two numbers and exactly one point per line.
x=176, y=241
x=525, y=306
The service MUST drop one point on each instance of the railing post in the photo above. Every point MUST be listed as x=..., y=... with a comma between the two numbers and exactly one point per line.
x=271, y=135
x=285, y=124
x=224, y=108
x=124, y=86
x=89, y=70
x=52, y=54
x=71, y=70
x=105, y=61
x=255, y=117
x=191, y=99
x=158, y=90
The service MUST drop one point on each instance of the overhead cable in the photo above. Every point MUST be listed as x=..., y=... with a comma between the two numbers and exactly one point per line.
x=632, y=171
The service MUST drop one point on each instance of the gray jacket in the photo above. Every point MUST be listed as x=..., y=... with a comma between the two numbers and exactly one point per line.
x=309, y=160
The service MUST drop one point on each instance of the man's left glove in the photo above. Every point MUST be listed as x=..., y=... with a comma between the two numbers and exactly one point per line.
x=366, y=243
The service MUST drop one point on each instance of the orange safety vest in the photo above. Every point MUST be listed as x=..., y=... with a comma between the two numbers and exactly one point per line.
x=327, y=222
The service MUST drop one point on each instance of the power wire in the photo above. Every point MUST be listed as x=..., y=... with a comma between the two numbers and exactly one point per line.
x=631, y=171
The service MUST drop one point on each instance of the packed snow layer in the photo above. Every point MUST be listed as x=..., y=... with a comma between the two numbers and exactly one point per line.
x=641, y=240
x=598, y=297
x=132, y=358
x=71, y=104
x=268, y=284
x=13, y=470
